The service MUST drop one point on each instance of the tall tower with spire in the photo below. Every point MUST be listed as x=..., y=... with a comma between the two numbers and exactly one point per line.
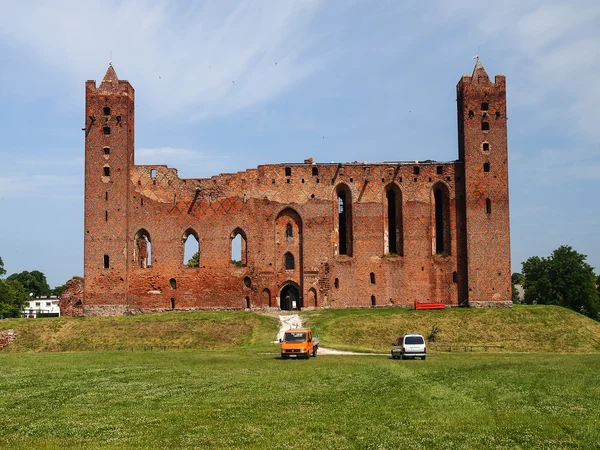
x=483, y=219
x=109, y=155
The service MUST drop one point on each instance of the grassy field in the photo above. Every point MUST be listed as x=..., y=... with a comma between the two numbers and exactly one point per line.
x=518, y=329
x=248, y=399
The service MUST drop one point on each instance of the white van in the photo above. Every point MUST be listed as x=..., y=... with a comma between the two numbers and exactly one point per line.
x=409, y=346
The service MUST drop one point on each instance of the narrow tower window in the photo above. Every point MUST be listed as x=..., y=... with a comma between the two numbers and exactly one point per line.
x=288, y=231
x=485, y=126
x=143, y=249
x=106, y=151
x=486, y=147
x=106, y=261
x=289, y=261
x=488, y=206
x=440, y=170
x=484, y=106
x=416, y=170
x=372, y=278
x=107, y=171
x=191, y=248
x=486, y=167
x=153, y=173
x=288, y=171
x=106, y=111
x=106, y=130
x=315, y=171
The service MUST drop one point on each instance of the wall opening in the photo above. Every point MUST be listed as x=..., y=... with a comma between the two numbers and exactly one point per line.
x=239, y=247
x=484, y=106
x=106, y=130
x=106, y=261
x=106, y=216
x=288, y=171
x=373, y=300
x=289, y=297
x=289, y=234
x=143, y=249
x=395, y=230
x=191, y=248
x=107, y=151
x=440, y=170
x=372, y=278
x=106, y=196
x=486, y=147
x=153, y=173
x=315, y=171
x=247, y=302
x=336, y=283
x=267, y=297
x=486, y=167
x=172, y=303
x=173, y=283
x=416, y=170
x=106, y=111
x=485, y=126
x=488, y=206
x=344, y=202
x=289, y=261
x=107, y=171
x=442, y=219
x=312, y=295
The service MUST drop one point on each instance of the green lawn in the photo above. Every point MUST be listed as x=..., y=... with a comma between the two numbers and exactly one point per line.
x=244, y=398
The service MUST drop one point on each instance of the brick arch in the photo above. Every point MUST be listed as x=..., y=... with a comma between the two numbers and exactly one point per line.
x=184, y=237
x=290, y=291
x=312, y=297
x=244, y=254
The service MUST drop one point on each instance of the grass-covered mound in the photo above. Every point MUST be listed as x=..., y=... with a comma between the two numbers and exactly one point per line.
x=521, y=328
x=204, y=329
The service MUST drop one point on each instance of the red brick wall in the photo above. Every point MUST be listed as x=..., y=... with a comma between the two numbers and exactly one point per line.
x=261, y=202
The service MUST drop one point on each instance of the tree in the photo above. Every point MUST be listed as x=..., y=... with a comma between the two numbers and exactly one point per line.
x=563, y=279
x=194, y=261
x=34, y=282
x=517, y=287
x=13, y=297
x=2, y=271
x=58, y=290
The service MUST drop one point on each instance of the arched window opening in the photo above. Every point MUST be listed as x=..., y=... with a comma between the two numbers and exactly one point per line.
x=485, y=126
x=289, y=261
x=191, y=248
x=247, y=282
x=486, y=167
x=344, y=200
x=267, y=297
x=173, y=283
x=442, y=219
x=395, y=231
x=488, y=206
x=152, y=173
x=106, y=261
x=106, y=151
x=312, y=296
x=247, y=302
x=373, y=300
x=239, y=248
x=336, y=283
x=143, y=249
x=289, y=232
x=372, y=278
x=315, y=171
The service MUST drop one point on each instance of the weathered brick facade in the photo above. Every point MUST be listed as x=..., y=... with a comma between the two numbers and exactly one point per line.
x=319, y=235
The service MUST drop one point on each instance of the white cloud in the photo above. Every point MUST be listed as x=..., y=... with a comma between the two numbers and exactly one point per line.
x=214, y=57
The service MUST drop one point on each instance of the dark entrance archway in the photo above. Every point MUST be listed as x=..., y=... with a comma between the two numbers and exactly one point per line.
x=290, y=296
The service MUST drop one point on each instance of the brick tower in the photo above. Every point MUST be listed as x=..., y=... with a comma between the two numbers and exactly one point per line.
x=108, y=159
x=484, y=215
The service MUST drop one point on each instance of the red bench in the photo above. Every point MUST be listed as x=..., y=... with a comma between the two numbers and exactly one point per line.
x=436, y=305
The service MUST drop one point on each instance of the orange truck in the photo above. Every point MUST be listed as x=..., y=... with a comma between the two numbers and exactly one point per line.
x=299, y=343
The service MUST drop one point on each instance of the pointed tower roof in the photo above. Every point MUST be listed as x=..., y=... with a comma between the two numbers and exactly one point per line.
x=110, y=76
x=479, y=73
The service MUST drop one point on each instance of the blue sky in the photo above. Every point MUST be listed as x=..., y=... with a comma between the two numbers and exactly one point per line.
x=222, y=86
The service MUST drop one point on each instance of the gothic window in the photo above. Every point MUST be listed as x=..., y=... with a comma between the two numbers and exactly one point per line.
x=191, y=248
x=344, y=209
x=288, y=231
x=143, y=249
x=441, y=218
x=395, y=231
x=239, y=247
x=289, y=261
x=173, y=283
x=486, y=167
x=416, y=170
x=440, y=170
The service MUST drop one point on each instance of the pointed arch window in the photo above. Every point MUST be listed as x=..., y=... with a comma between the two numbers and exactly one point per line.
x=344, y=210
x=191, y=248
x=289, y=261
x=289, y=233
x=143, y=249
x=441, y=222
x=239, y=247
x=394, y=243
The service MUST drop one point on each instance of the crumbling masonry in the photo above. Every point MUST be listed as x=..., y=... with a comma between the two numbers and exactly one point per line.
x=312, y=234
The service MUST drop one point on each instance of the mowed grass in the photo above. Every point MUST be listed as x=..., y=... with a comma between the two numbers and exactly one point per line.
x=204, y=329
x=518, y=329
x=248, y=399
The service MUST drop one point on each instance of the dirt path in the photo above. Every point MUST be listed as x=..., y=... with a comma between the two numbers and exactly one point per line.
x=294, y=321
